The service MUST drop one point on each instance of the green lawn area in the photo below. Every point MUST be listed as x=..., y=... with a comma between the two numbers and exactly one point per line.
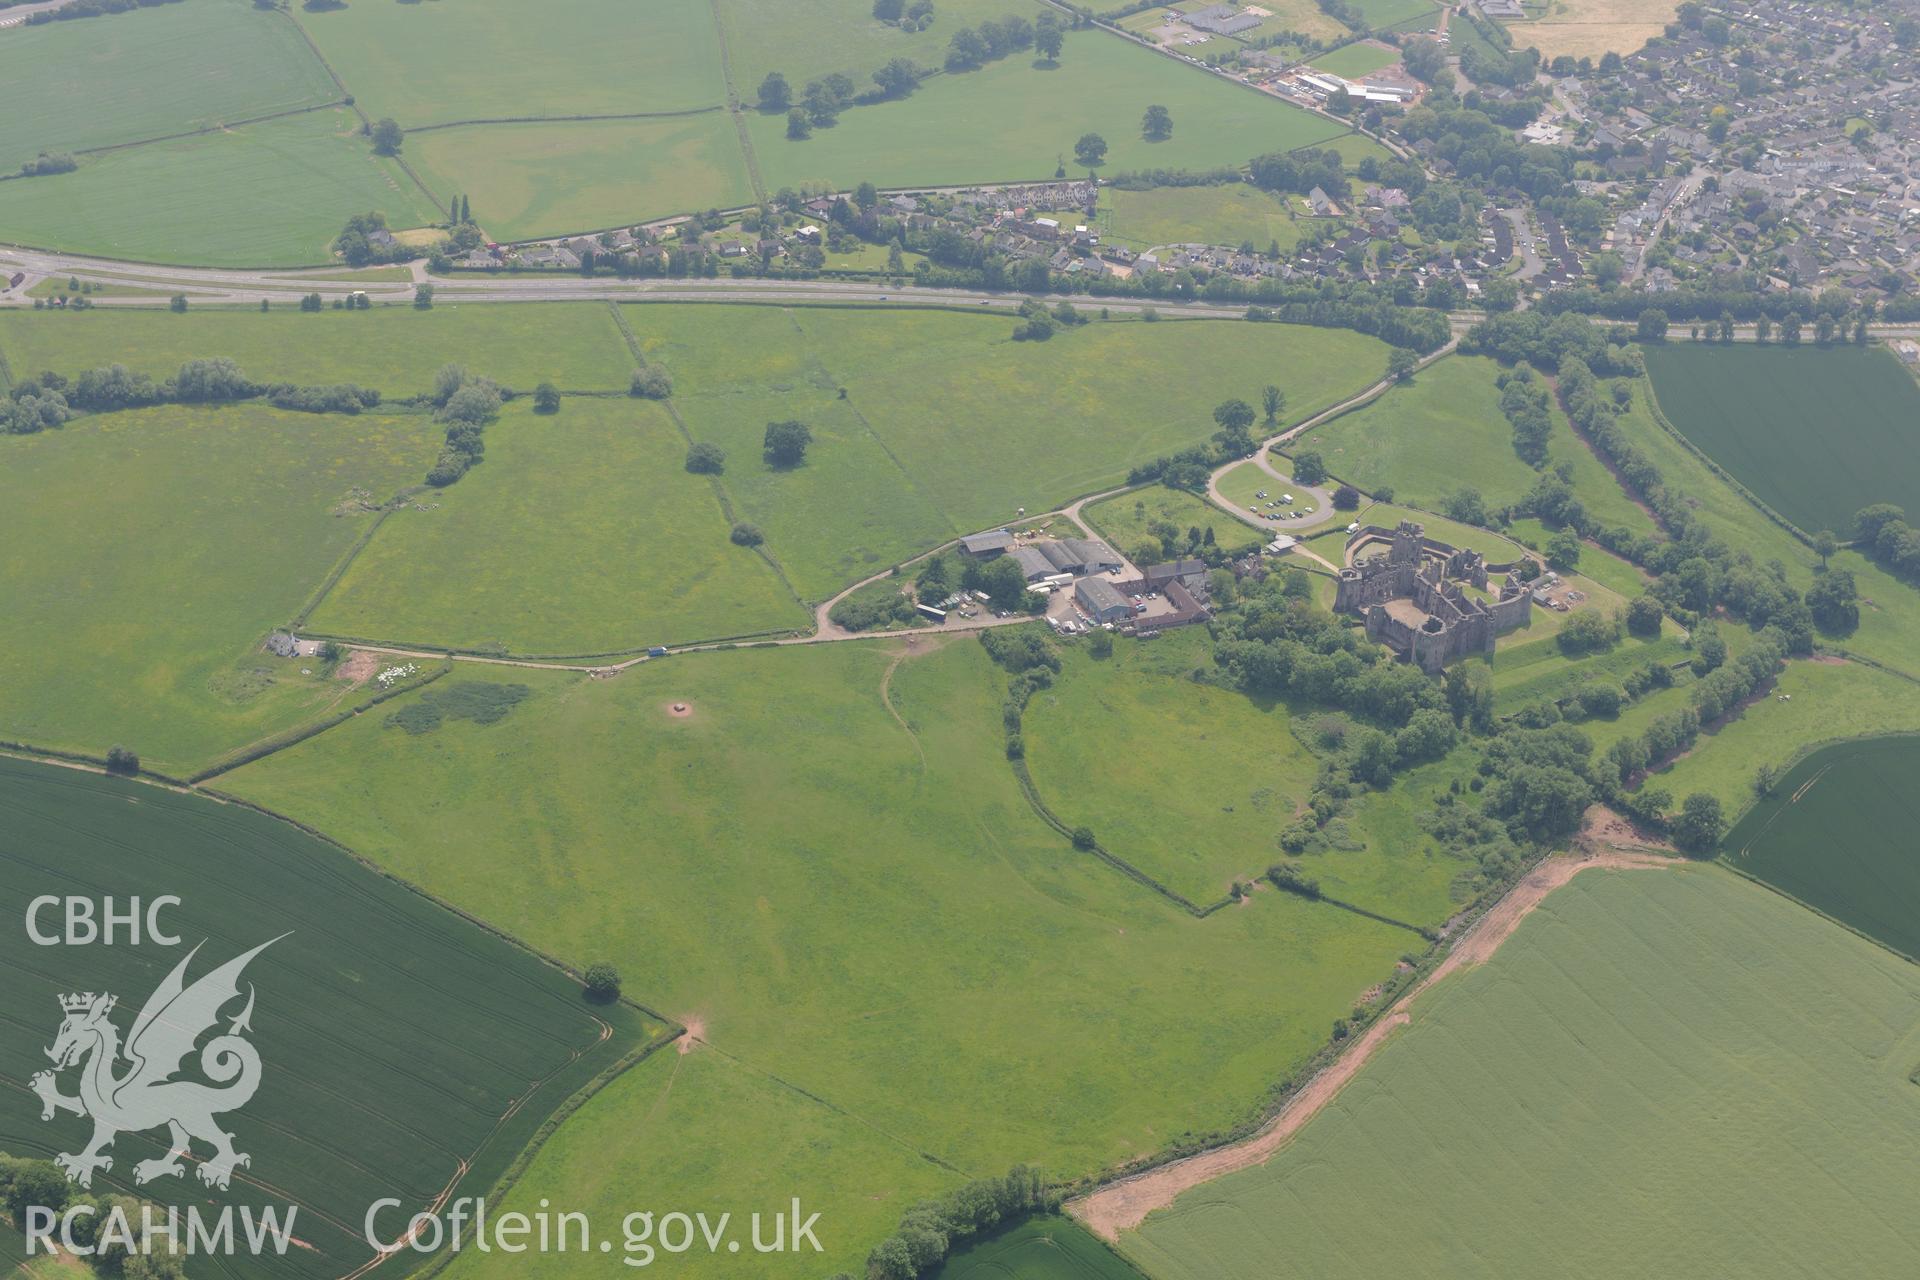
x=397, y=350
x=403, y=1050
x=65, y=86
x=1239, y=485
x=1229, y=215
x=1837, y=833
x=1815, y=433
x=1398, y=14
x=485, y=59
x=1661, y=1073
x=1495, y=547
x=581, y=533
x=1123, y=519
x=1011, y=120
x=1443, y=431
x=1357, y=61
x=146, y=555
x=835, y=907
x=527, y=180
x=1189, y=782
x=804, y=42
x=265, y=195
x=948, y=425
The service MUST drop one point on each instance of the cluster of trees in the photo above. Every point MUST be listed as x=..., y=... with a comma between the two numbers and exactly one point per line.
x=1000, y=579
x=933, y=1227
x=50, y=399
x=650, y=383
x=49, y=162
x=1525, y=402
x=1300, y=172
x=1544, y=341
x=357, y=242
x=113, y=1230
x=973, y=47
x=1883, y=530
x=1038, y=321
x=90, y=9
x=1483, y=150
x=465, y=404
x=917, y=16
x=352, y=302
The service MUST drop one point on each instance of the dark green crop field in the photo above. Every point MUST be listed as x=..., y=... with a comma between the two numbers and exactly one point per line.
x=1815, y=433
x=1046, y=1248
x=1837, y=833
x=404, y=1050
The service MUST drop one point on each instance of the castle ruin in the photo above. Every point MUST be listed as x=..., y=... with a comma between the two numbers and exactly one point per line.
x=1414, y=600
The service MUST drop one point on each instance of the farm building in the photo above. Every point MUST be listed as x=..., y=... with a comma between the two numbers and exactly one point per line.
x=1158, y=577
x=1223, y=20
x=281, y=644
x=1048, y=556
x=1101, y=600
x=987, y=545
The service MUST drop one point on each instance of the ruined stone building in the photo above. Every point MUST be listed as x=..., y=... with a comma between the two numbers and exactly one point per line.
x=1414, y=597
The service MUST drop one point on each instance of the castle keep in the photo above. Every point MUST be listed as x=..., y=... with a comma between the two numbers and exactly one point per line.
x=1414, y=602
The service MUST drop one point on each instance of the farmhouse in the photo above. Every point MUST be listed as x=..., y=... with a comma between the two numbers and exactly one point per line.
x=1415, y=597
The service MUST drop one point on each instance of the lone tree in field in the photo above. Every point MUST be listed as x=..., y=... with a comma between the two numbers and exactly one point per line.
x=1700, y=825
x=775, y=94
x=1091, y=150
x=706, y=459
x=1157, y=124
x=1309, y=467
x=1273, y=400
x=1235, y=418
x=387, y=137
x=650, y=383
x=785, y=443
x=603, y=983
x=1346, y=498
x=546, y=398
x=1401, y=363
x=120, y=760
x=799, y=128
x=1048, y=36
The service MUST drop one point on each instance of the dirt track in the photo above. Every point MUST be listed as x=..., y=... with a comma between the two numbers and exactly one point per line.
x=1125, y=1204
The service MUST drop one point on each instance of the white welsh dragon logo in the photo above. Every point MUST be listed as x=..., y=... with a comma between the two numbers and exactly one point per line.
x=146, y=1096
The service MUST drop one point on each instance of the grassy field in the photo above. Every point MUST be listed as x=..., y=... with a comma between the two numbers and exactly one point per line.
x=1123, y=519
x=1012, y=120
x=1444, y=431
x=1593, y=28
x=1837, y=833
x=1047, y=1248
x=1624, y=1089
x=484, y=59
x=67, y=86
x=1381, y=14
x=404, y=1049
x=1357, y=61
x=1189, y=782
x=804, y=42
x=266, y=195
x=833, y=907
x=527, y=180
x=397, y=350
x=146, y=555
x=672, y=1114
x=948, y=425
x=1229, y=215
x=581, y=533
x=1815, y=433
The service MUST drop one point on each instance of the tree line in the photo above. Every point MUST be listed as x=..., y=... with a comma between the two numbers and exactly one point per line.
x=50, y=399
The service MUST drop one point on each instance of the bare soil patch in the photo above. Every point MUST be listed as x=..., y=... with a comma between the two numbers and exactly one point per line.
x=1123, y=1205
x=357, y=667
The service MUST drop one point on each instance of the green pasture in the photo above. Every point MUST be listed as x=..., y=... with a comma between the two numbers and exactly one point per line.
x=485, y=59
x=527, y=180
x=264, y=195
x=1443, y=431
x=1398, y=14
x=146, y=555
x=1123, y=519
x=1229, y=215
x=1011, y=120
x=1045, y=1248
x=1357, y=61
x=1189, y=782
x=1816, y=433
x=1537, y=671
x=580, y=533
x=1837, y=833
x=822, y=864
x=948, y=425
x=574, y=345
x=1666, y=1072
x=65, y=86
x=673, y=1115
x=404, y=1049
x=804, y=42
